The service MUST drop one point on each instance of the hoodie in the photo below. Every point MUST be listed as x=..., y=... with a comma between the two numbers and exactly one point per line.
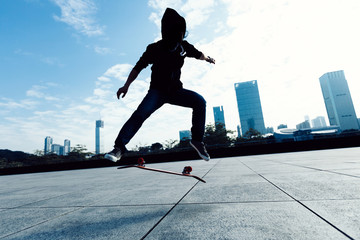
x=167, y=55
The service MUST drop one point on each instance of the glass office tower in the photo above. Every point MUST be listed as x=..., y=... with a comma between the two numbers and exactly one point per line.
x=338, y=102
x=67, y=147
x=219, y=117
x=48, y=144
x=249, y=107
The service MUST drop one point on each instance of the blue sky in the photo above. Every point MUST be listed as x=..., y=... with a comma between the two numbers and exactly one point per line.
x=61, y=63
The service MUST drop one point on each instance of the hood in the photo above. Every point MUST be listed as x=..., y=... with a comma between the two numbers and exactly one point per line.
x=173, y=26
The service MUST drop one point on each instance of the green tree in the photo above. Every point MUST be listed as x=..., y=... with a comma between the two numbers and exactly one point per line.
x=79, y=151
x=252, y=134
x=156, y=147
x=170, y=144
x=184, y=143
x=218, y=134
x=39, y=153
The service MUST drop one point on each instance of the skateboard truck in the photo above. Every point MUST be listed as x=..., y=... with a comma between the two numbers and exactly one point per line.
x=187, y=170
x=141, y=162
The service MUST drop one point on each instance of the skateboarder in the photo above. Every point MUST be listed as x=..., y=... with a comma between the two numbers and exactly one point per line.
x=167, y=57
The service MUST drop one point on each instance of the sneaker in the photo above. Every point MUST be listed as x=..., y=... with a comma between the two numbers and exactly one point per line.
x=114, y=155
x=201, y=150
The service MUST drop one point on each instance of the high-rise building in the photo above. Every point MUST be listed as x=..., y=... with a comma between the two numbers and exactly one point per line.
x=338, y=102
x=66, y=146
x=318, y=122
x=249, y=106
x=303, y=125
x=48, y=144
x=185, y=135
x=219, y=117
x=57, y=149
x=99, y=147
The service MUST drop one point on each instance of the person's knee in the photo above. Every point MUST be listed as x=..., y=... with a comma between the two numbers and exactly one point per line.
x=201, y=102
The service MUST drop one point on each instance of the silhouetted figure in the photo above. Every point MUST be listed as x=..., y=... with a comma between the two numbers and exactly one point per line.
x=167, y=57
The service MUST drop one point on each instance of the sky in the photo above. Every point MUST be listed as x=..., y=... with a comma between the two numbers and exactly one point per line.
x=61, y=63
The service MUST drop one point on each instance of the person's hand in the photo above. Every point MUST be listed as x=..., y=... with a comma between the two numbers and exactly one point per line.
x=210, y=59
x=123, y=90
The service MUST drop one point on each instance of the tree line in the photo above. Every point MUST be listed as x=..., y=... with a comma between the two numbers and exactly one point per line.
x=215, y=136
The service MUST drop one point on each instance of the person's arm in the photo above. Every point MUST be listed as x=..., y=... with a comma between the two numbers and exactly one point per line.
x=123, y=90
x=208, y=59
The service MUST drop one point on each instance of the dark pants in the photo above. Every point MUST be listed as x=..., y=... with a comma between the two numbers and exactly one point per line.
x=153, y=101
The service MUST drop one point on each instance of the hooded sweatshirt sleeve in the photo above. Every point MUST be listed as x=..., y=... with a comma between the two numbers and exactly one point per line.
x=191, y=51
x=145, y=59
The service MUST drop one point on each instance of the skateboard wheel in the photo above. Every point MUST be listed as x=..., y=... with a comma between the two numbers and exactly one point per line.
x=187, y=170
x=141, y=162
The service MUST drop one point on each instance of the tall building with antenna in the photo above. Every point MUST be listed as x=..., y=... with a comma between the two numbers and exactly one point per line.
x=99, y=145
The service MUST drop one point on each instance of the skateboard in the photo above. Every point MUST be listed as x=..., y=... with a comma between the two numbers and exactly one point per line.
x=186, y=172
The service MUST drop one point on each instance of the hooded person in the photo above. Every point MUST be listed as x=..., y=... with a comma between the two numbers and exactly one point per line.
x=167, y=58
x=173, y=28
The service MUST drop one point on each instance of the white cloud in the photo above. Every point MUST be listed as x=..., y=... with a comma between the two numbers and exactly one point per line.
x=104, y=79
x=20, y=51
x=119, y=71
x=102, y=50
x=52, y=61
x=37, y=91
x=196, y=12
x=11, y=104
x=79, y=15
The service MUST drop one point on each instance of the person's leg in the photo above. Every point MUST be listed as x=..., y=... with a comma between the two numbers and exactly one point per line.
x=152, y=101
x=190, y=99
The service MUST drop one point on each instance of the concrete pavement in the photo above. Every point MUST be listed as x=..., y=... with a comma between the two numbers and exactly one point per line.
x=303, y=195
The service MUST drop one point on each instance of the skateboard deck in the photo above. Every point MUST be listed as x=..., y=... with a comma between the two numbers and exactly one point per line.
x=185, y=173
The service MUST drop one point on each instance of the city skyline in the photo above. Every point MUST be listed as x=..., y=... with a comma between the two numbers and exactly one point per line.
x=61, y=64
x=246, y=89
x=53, y=148
x=218, y=114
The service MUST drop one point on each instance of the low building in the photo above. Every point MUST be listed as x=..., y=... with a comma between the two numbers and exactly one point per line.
x=288, y=134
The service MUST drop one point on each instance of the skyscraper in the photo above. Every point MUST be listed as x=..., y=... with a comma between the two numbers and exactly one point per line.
x=318, y=122
x=338, y=102
x=48, y=145
x=98, y=137
x=66, y=146
x=57, y=149
x=219, y=117
x=249, y=106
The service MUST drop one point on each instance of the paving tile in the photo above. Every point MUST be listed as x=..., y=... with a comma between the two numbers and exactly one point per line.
x=243, y=221
x=97, y=223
